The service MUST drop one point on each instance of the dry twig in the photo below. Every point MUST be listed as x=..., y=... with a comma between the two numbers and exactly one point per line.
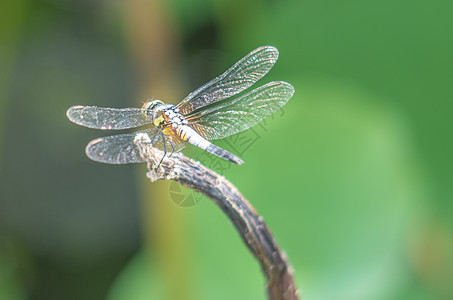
x=251, y=226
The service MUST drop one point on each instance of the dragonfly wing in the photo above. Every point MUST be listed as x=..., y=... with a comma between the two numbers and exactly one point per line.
x=230, y=117
x=131, y=147
x=236, y=79
x=106, y=118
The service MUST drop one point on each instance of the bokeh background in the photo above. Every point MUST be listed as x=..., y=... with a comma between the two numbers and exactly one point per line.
x=354, y=176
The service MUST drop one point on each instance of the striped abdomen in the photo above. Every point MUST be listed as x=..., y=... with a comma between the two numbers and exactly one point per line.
x=189, y=135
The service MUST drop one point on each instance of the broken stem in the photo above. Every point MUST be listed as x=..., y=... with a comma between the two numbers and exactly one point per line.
x=251, y=227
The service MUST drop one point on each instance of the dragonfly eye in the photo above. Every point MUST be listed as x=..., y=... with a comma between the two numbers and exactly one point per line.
x=150, y=108
x=151, y=105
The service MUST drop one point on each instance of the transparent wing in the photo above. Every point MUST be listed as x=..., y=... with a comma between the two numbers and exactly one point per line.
x=107, y=118
x=236, y=79
x=131, y=147
x=230, y=117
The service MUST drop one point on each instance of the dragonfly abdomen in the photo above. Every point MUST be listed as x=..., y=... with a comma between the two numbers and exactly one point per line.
x=189, y=135
x=223, y=154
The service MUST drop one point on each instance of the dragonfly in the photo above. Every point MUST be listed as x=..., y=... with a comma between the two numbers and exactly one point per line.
x=205, y=114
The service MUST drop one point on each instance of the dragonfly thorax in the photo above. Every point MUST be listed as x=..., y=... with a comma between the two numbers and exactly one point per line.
x=163, y=115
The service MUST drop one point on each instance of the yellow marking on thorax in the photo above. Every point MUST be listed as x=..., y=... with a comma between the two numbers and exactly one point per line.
x=168, y=131
x=159, y=121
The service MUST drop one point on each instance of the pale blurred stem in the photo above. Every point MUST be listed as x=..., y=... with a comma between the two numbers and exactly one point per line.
x=251, y=227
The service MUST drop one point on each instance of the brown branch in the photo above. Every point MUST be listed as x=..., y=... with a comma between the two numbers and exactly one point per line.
x=254, y=232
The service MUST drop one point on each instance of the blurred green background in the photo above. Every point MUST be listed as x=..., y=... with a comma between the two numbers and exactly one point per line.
x=353, y=176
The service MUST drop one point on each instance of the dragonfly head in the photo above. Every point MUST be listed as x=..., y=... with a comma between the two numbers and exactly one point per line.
x=153, y=109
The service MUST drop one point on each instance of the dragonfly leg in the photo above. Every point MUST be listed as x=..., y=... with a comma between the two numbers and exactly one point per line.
x=165, y=149
x=172, y=147
x=154, y=136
